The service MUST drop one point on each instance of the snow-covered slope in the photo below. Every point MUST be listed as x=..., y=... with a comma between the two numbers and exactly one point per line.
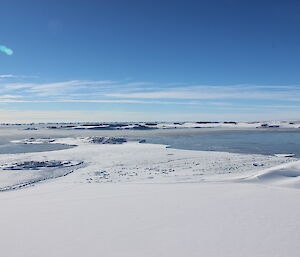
x=287, y=175
x=73, y=216
x=149, y=220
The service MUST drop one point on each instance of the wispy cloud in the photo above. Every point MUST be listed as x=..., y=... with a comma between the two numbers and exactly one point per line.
x=7, y=76
x=9, y=99
x=288, y=93
x=171, y=97
x=10, y=96
x=53, y=89
x=14, y=115
x=110, y=89
x=150, y=90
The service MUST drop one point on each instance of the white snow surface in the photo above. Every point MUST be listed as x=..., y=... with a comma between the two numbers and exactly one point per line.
x=133, y=200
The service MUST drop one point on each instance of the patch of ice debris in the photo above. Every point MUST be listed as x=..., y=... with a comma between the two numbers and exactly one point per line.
x=285, y=155
x=37, y=165
x=106, y=140
x=24, y=173
x=35, y=141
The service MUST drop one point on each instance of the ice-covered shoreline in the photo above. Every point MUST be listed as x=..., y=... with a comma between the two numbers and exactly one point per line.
x=113, y=160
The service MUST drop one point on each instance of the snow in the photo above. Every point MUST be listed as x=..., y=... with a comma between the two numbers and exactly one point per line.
x=174, y=220
x=287, y=175
x=148, y=200
x=178, y=125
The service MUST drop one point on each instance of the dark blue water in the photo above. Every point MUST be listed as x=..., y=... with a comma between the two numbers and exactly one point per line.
x=248, y=142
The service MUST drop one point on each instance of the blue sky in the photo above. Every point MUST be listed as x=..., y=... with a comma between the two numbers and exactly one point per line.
x=149, y=60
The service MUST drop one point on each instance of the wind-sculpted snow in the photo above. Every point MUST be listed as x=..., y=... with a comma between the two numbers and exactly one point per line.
x=287, y=175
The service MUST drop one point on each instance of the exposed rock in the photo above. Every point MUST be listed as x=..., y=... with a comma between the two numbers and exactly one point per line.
x=107, y=140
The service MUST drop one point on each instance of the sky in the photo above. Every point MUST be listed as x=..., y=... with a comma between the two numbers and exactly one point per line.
x=149, y=60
